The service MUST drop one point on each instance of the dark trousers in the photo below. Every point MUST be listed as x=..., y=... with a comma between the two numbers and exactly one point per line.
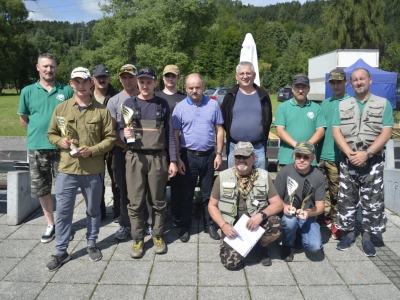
x=176, y=184
x=109, y=158
x=120, y=178
x=197, y=166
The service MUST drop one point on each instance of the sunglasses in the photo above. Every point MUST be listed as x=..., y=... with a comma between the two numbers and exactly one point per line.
x=302, y=156
x=128, y=69
x=242, y=157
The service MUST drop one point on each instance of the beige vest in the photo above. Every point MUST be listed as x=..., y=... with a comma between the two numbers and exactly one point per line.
x=360, y=131
x=256, y=200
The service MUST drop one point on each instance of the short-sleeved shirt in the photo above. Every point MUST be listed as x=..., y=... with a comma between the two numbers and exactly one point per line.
x=173, y=99
x=387, y=120
x=38, y=104
x=115, y=108
x=314, y=177
x=300, y=123
x=197, y=123
x=327, y=148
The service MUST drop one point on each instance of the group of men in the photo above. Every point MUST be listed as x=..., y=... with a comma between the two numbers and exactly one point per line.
x=146, y=136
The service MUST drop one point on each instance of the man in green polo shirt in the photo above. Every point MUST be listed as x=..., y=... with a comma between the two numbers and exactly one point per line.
x=298, y=119
x=329, y=154
x=36, y=106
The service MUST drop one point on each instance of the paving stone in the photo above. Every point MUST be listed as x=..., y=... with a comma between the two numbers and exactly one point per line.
x=317, y=273
x=44, y=251
x=80, y=271
x=16, y=248
x=127, y=272
x=3, y=219
x=171, y=292
x=209, y=252
x=223, y=293
x=107, y=234
x=373, y=292
x=330, y=292
x=119, y=291
x=67, y=291
x=277, y=274
x=171, y=235
x=353, y=253
x=276, y=292
x=28, y=232
x=107, y=250
x=174, y=273
x=6, y=230
x=205, y=238
x=360, y=272
x=37, y=219
x=215, y=274
x=6, y=265
x=30, y=269
x=179, y=252
x=20, y=290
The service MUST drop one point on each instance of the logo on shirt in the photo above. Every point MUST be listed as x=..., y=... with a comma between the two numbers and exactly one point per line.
x=60, y=97
x=310, y=115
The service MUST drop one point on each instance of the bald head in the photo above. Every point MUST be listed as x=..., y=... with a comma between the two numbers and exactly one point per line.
x=195, y=87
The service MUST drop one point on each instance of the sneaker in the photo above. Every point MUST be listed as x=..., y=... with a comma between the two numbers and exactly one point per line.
x=49, y=234
x=324, y=222
x=184, y=235
x=369, y=249
x=264, y=255
x=287, y=253
x=176, y=221
x=337, y=234
x=57, y=261
x=345, y=243
x=148, y=229
x=122, y=233
x=137, y=249
x=94, y=253
x=159, y=245
x=212, y=231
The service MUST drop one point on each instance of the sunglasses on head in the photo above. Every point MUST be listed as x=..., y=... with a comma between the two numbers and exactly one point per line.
x=242, y=157
x=302, y=156
x=127, y=69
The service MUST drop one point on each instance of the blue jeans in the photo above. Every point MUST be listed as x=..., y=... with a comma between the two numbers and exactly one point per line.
x=258, y=151
x=309, y=229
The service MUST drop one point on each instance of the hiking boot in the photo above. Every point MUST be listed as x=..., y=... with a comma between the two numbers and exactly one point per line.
x=137, y=249
x=287, y=253
x=49, y=234
x=369, y=249
x=159, y=245
x=147, y=229
x=94, y=253
x=345, y=243
x=213, y=233
x=57, y=261
x=324, y=222
x=336, y=233
x=184, y=235
x=176, y=221
x=264, y=256
x=122, y=233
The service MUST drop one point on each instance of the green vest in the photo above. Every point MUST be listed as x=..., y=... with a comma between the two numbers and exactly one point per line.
x=360, y=131
x=256, y=200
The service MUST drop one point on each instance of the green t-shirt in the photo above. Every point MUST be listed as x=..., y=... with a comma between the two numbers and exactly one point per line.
x=300, y=122
x=38, y=104
x=327, y=149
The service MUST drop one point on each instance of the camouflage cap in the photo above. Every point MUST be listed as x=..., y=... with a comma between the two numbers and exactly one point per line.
x=337, y=74
x=243, y=148
x=304, y=147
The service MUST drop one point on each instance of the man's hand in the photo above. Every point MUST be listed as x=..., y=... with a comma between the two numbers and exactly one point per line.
x=66, y=143
x=181, y=167
x=128, y=132
x=84, y=152
x=217, y=161
x=229, y=231
x=173, y=169
x=302, y=214
x=287, y=209
x=254, y=221
x=358, y=158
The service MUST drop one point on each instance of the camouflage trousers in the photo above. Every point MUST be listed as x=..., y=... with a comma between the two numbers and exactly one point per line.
x=232, y=260
x=361, y=186
x=330, y=169
x=43, y=166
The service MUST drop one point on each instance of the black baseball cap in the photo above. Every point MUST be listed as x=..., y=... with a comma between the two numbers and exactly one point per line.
x=337, y=74
x=147, y=72
x=301, y=79
x=100, y=70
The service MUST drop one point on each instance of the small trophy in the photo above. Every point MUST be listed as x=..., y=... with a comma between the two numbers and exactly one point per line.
x=63, y=125
x=291, y=186
x=308, y=190
x=127, y=114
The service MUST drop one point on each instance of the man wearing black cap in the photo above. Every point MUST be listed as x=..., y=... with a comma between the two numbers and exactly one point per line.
x=329, y=154
x=301, y=186
x=102, y=91
x=298, y=119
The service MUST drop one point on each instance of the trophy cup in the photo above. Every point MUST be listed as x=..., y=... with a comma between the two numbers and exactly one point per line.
x=63, y=125
x=308, y=189
x=291, y=186
x=127, y=114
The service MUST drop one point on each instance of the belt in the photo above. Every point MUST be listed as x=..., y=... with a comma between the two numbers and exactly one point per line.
x=200, y=153
x=147, y=152
x=235, y=141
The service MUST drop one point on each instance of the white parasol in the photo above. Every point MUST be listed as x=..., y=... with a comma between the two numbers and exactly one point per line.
x=249, y=53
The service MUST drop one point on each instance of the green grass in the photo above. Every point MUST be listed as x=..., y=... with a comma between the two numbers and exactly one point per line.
x=9, y=125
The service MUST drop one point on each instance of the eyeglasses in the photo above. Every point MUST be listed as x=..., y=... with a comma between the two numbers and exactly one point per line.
x=302, y=156
x=243, y=73
x=128, y=69
x=242, y=157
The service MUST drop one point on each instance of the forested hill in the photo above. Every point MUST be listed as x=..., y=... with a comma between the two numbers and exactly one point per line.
x=200, y=36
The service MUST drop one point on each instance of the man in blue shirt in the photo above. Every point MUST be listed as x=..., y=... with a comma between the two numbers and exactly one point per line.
x=195, y=120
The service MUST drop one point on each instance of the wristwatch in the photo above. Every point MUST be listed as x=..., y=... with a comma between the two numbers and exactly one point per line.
x=369, y=153
x=264, y=215
x=219, y=153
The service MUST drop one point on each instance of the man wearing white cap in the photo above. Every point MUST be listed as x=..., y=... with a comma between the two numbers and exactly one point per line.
x=89, y=128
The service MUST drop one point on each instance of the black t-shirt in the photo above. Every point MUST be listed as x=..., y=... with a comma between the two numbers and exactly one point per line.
x=171, y=99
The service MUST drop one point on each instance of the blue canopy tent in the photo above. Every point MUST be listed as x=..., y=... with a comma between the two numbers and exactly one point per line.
x=383, y=83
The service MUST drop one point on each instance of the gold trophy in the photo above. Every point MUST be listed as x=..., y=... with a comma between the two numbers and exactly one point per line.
x=292, y=187
x=127, y=114
x=308, y=190
x=63, y=125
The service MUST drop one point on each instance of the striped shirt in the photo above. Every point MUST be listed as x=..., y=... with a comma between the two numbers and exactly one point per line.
x=197, y=123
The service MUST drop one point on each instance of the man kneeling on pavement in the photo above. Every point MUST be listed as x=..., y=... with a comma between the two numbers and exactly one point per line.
x=245, y=189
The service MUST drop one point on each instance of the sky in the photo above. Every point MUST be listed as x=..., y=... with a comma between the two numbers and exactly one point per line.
x=87, y=10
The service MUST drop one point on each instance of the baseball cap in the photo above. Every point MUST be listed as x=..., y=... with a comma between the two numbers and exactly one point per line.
x=301, y=79
x=337, y=74
x=243, y=148
x=100, y=70
x=80, y=72
x=128, y=68
x=147, y=72
x=304, y=147
x=171, y=69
